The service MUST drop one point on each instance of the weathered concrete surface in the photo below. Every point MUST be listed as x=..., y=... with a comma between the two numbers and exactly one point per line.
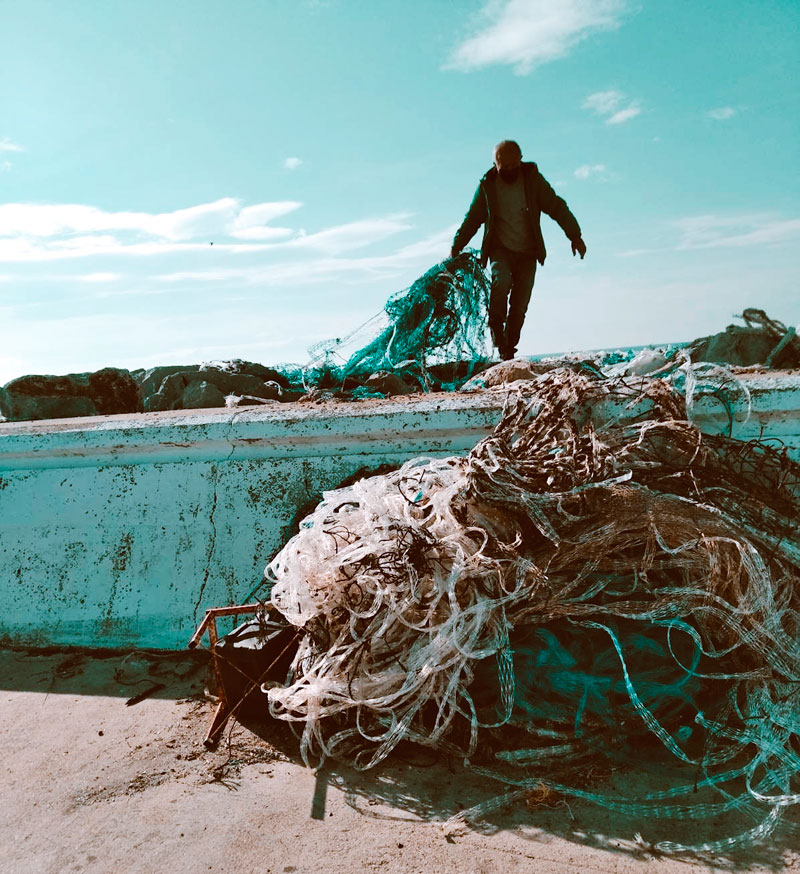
x=122, y=530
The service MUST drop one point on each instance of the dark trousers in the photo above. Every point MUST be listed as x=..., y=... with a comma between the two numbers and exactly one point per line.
x=512, y=282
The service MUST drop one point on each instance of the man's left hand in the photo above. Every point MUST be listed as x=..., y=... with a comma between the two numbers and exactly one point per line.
x=579, y=247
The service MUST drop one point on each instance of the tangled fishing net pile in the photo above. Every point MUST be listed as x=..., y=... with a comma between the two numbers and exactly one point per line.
x=595, y=581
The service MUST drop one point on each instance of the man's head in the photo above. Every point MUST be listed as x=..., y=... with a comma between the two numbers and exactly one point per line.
x=507, y=158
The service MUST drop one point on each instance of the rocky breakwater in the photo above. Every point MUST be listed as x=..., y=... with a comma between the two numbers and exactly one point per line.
x=112, y=390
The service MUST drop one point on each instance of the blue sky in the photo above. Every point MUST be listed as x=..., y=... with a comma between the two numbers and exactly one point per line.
x=330, y=149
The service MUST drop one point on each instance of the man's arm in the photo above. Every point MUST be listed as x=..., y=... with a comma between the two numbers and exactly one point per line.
x=475, y=217
x=556, y=207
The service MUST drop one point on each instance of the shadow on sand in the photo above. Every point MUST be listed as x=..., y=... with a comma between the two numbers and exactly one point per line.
x=414, y=784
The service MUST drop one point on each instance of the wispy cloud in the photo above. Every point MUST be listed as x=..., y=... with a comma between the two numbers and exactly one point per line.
x=722, y=113
x=527, y=33
x=252, y=222
x=353, y=235
x=6, y=145
x=5, y=166
x=755, y=229
x=292, y=163
x=625, y=114
x=326, y=268
x=98, y=277
x=587, y=170
x=49, y=220
x=611, y=105
x=50, y=232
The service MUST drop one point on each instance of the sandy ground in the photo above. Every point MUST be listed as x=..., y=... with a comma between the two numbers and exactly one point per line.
x=92, y=785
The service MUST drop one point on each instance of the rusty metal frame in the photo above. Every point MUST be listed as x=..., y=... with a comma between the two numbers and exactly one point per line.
x=224, y=709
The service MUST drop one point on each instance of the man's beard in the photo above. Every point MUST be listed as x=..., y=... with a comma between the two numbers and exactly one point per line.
x=509, y=174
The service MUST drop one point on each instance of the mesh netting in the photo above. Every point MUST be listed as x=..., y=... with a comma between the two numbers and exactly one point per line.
x=595, y=576
x=440, y=318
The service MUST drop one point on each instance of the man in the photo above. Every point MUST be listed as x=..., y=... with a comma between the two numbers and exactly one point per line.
x=509, y=202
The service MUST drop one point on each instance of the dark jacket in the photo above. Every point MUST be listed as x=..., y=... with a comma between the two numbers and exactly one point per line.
x=540, y=198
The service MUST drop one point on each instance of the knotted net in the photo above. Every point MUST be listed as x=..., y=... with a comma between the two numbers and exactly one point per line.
x=440, y=318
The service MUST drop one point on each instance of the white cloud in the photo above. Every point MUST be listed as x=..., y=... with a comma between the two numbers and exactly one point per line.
x=603, y=102
x=624, y=114
x=252, y=222
x=610, y=105
x=353, y=235
x=99, y=277
x=5, y=166
x=420, y=254
x=587, y=170
x=49, y=232
x=292, y=163
x=722, y=113
x=49, y=220
x=713, y=231
x=7, y=146
x=527, y=33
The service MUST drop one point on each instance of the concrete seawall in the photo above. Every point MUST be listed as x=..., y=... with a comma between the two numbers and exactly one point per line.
x=119, y=531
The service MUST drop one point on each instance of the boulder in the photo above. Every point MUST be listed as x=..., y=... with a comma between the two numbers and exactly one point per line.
x=388, y=384
x=266, y=374
x=735, y=345
x=114, y=391
x=200, y=395
x=173, y=384
x=150, y=381
x=102, y=392
x=20, y=408
x=509, y=371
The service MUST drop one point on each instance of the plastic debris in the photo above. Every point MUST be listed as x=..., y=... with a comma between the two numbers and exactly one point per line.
x=594, y=581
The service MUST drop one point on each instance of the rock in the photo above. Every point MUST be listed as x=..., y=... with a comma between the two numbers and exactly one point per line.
x=101, y=392
x=240, y=383
x=200, y=395
x=157, y=403
x=151, y=381
x=114, y=391
x=735, y=345
x=170, y=392
x=266, y=374
x=509, y=371
x=388, y=384
x=23, y=408
x=173, y=384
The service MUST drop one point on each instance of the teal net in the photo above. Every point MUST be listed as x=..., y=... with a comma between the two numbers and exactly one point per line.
x=432, y=334
x=595, y=582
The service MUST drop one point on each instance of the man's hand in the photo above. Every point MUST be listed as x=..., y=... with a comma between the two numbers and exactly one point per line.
x=579, y=247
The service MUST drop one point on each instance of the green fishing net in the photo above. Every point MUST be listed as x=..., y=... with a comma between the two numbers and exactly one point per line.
x=432, y=334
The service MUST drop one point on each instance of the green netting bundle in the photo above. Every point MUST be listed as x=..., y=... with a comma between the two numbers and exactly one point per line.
x=440, y=318
x=597, y=581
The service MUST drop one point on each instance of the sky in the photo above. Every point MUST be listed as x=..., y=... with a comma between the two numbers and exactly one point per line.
x=328, y=149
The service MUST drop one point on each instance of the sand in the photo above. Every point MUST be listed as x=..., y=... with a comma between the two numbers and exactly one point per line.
x=92, y=785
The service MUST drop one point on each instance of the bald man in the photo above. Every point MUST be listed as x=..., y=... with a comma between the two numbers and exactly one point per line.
x=509, y=202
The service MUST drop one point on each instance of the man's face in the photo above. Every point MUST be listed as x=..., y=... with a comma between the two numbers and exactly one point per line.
x=507, y=162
